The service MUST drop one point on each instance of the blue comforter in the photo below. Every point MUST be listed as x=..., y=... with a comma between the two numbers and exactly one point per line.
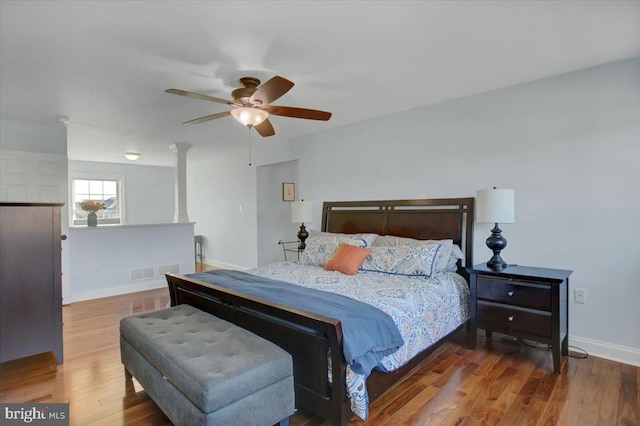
x=368, y=333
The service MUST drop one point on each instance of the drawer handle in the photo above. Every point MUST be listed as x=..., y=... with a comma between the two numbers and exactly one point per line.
x=510, y=293
x=511, y=317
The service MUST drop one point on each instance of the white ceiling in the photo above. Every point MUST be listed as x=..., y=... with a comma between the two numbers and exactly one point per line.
x=105, y=65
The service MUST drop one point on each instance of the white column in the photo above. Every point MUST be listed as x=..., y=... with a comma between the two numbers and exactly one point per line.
x=181, y=148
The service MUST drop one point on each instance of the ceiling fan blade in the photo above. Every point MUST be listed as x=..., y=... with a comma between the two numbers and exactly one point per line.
x=271, y=90
x=207, y=118
x=309, y=114
x=198, y=96
x=265, y=129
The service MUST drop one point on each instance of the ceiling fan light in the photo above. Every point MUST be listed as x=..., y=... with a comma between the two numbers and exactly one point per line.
x=133, y=156
x=249, y=116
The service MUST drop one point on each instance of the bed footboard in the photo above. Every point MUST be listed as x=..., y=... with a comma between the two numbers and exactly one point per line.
x=308, y=337
x=311, y=338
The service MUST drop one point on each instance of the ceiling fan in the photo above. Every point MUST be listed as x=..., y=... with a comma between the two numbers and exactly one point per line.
x=252, y=104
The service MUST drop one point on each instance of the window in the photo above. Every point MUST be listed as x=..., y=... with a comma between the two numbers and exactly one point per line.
x=107, y=191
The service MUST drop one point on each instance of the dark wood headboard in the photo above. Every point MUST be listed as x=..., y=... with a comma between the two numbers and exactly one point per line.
x=438, y=219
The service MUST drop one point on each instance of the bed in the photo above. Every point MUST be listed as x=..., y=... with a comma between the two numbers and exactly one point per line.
x=316, y=341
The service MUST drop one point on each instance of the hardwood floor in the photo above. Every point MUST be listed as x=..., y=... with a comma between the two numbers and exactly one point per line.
x=496, y=384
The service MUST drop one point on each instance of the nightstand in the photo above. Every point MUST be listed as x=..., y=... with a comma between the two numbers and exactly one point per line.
x=522, y=301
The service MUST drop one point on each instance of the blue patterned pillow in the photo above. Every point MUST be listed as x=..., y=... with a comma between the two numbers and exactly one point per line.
x=403, y=260
x=444, y=255
x=320, y=250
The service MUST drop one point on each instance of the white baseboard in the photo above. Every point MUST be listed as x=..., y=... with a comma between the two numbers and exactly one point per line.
x=224, y=265
x=623, y=354
x=115, y=291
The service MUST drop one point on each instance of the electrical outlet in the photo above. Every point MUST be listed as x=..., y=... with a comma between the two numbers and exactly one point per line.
x=94, y=265
x=579, y=295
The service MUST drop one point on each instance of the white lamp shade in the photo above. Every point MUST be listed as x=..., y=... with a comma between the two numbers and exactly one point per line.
x=249, y=116
x=495, y=206
x=301, y=212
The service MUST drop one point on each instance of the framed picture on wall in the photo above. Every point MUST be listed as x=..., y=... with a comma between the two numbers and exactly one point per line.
x=288, y=191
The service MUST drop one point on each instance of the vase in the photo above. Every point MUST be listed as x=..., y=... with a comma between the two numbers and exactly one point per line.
x=92, y=219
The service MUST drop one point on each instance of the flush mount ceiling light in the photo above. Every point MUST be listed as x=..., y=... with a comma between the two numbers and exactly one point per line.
x=133, y=156
x=249, y=116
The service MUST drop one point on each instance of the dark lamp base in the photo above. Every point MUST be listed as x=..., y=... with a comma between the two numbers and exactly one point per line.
x=302, y=235
x=496, y=243
x=497, y=263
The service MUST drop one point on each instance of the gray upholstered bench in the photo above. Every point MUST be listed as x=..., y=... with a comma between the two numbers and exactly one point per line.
x=201, y=370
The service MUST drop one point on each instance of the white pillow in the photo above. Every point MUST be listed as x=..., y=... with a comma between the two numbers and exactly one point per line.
x=368, y=238
x=456, y=252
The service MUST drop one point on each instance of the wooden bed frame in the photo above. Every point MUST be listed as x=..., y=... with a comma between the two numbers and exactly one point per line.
x=311, y=338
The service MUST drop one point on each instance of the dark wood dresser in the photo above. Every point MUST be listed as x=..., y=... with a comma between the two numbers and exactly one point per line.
x=30, y=280
x=524, y=302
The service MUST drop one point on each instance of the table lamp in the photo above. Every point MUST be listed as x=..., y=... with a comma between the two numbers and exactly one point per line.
x=495, y=206
x=301, y=212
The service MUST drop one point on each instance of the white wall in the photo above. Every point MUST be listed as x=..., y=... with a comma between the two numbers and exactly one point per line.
x=568, y=145
x=103, y=258
x=149, y=190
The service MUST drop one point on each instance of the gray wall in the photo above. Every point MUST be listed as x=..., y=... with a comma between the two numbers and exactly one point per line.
x=570, y=148
x=22, y=136
x=221, y=194
x=568, y=145
x=274, y=215
x=149, y=190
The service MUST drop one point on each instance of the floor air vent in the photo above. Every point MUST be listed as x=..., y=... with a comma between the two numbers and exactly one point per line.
x=141, y=274
x=175, y=268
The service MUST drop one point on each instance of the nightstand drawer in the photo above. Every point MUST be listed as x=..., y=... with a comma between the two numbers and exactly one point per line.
x=524, y=302
x=519, y=320
x=514, y=292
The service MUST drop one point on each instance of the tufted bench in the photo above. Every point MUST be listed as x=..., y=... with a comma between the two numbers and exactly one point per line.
x=202, y=370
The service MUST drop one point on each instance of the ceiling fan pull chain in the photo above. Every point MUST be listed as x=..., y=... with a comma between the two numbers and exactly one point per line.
x=249, y=127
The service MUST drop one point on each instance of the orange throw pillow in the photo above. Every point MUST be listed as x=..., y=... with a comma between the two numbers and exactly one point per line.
x=347, y=259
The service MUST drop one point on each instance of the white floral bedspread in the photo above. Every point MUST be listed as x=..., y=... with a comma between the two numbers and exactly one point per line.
x=424, y=309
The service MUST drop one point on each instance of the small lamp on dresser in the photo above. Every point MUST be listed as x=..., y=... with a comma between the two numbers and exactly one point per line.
x=495, y=206
x=301, y=212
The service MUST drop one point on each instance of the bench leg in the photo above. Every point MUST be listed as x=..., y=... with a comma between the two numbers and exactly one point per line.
x=284, y=422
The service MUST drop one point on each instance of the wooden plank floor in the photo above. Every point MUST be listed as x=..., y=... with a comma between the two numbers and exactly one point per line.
x=501, y=384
